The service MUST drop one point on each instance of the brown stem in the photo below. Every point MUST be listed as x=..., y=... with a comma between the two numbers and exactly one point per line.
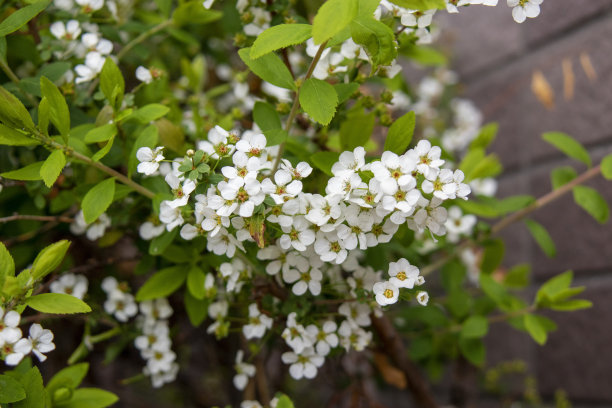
x=395, y=349
x=44, y=218
x=261, y=380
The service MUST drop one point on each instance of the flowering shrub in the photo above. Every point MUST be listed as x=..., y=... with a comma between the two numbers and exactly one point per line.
x=267, y=171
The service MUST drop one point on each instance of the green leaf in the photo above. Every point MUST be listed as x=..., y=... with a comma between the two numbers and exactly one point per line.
x=7, y=264
x=193, y=12
x=319, y=99
x=13, y=137
x=112, y=83
x=554, y=286
x=513, y=203
x=606, y=166
x=568, y=145
x=97, y=200
x=275, y=136
x=357, y=129
x=561, y=176
x=163, y=283
x=10, y=390
x=592, y=202
x=474, y=327
x=280, y=36
x=324, y=161
x=149, y=113
x=20, y=17
x=89, y=398
x=13, y=113
x=284, y=402
x=486, y=136
x=101, y=133
x=57, y=303
x=377, y=39
x=269, y=67
x=332, y=17
x=489, y=166
x=197, y=309
x=52, y=167
x=159, y=244
x=427, y=56
x=492, y=289
x=420, y=4
x=58, y=109
x=69, y=377
x=518, y=276
x=535, y=329
x=49, y=258
x=539, y=233
x=147, y=138
x=473, y=350
x=571, y=305
x=400, y=134
x=32, y=383
x=345, y=91
x=266, y=116
x=493, y=255
x=195, y=282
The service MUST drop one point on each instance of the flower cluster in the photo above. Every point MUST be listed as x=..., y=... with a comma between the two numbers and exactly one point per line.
x=14, y=347
x=70, y=284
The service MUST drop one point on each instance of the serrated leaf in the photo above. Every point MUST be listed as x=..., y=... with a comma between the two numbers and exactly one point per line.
x=52, y=167
x=162, y=283
x=269, y=67
x=400, y=134
x=13, y=113
x=332, y=17
x=20, y=17
x=539, y=233
x=30, y=172
x=12, y=137
x=58, y=109
x=10, y=390
x=49, y=258
x=112, y=83
x=474, y=327
x=377, y=39
x=57, y=303
x=592, y=202
x=606, y=167
x=568, y=145
x=280, y=36
x=89, y=398
x=98, y=199
x=319, y=99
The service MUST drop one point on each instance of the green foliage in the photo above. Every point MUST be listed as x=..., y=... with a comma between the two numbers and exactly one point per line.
x=20, y=17
x=535, y=328
x=58, y=109
x=148, y=137
x=426, y=56
x=493, y=255
x=162, y=283
x=333, y=16
x=324, y=161
x=49, y=258
x=195, y=282
x=112, y=83
x=52, y=167
x=193, y=12
x=30, y=172
x=473, y=350
x=420, y=4
x=269, y=122
x=377, y=39
x=319, y=99
x=98, y=199
x=13, y=137
x=561, y=176
x=89, y=398
x=357, y=129
x=13, y=113
x=400, y=133
x=517, y=277
x=345, y=91
x=197, y=309
x=606, y=167
x=32, y=384
x=57, y=303
x=592, y=202
x=10, y=390
x=280, y=36
x=486, y=136
x=284, y=402
x=474, y=327
x=159, y=244
x=101, y=134
x=269, y=68
x=69, y=377
x=539, y=233
x=568, y=145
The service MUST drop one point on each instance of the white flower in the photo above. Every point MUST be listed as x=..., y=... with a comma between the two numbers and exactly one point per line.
x=70, y=31
x=309, y=279
x=162, y=377
x=261, y=21
x=92, y=231
x=322, y=209
x=9, y=330
x=181, y=192
x=149, y=159
x=94, y=61
x=171, y=216
x=431, y=215
x=440, y=183
x=150, y=230
x=330, y=248
x=363, y=278
x=15, y=352
x=70, y=284
x=295, y=334
x=304, y=364
x=298, y=235
x=457, y=224
x=325, y=336
x=422, y=298
x=484, y=186
x=217, y=145
x=244, y=371
x=94, y=43
x=283, y=188
x=224, y=243
x=258, y=323
x=386, y=293
x=300, y=171
x=403, y=275
x=41, y=341
x=359, y=223
x=154, y=335
x=393, y=171
x=252, y=144
x=159, y=359
x=90, y=6
x=427, y=157
x=118, y=303
x=350, y=162
x=524, y=8
x=415, y=18
x=351, y=50
x=356, y=313
x=353, y=336
x=156, y=309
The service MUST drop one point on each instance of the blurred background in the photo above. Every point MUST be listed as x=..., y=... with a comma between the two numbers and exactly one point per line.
x=553, y=72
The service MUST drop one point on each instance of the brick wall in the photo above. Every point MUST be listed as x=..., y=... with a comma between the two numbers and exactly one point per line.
x=496, y=59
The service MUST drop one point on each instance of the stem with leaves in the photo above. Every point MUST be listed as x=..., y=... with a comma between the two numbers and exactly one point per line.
x=296, y=104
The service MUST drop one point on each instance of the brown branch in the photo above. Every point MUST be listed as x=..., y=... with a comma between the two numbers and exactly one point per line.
x=395, y=349
x=261, y=380
x=43, y=218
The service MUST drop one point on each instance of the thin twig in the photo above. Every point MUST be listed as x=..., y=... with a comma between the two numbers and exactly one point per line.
x=43, y=218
